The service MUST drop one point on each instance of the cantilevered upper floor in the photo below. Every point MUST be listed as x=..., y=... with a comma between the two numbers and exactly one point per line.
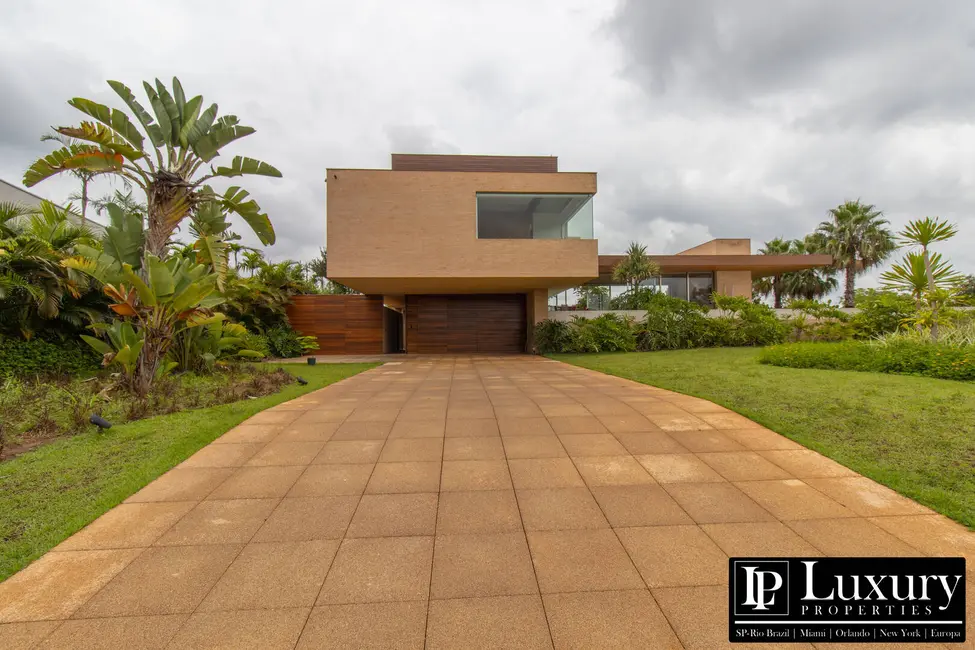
x=461, y=224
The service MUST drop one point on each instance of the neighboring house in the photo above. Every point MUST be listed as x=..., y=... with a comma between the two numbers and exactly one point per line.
x=725, y=266
x=466, y=250
x=10, y=193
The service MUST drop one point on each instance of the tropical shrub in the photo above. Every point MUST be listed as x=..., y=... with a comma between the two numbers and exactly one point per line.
x=552, y=336
x=744, y=323
x=258, y=301
x=258, y=343
x=199, y=349
x=39, y=296
x=671, y=324
x=880, y=312
x=171, y=159
x=37, y=410
x=959, y=332
x=819, y=321
x=284, y=342
x=635, y=298
x=606, y=333
x=178, y=295
x=897, y=355
x=20, y=358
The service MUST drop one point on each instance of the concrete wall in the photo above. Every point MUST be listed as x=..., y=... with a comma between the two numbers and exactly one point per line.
x=397, y=232
x=10, y=193
x=721, y=247
x=733, y=283
x=537, y=311
x=638, y=314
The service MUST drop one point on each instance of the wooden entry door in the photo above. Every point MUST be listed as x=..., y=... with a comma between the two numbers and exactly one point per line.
x=457, y=324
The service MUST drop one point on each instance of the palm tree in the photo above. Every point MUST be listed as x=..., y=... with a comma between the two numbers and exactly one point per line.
x=253, y=260
x=593, y=296
x=11, y=215
x=924, y=232
x=124, y=200
x=318, y=268
x=774, y=284
x=84, y=176
x=235, y=248
x=173, y=170
x=809, y=284
x=858, y=238
x=924, y=272
x=917, y=274
x=35, y=288
x=635, y=267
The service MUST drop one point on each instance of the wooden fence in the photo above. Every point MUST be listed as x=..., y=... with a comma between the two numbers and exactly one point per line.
x=343, y=324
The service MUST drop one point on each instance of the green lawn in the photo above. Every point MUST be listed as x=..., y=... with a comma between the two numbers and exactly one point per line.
x=913, y=434
x=48, y=494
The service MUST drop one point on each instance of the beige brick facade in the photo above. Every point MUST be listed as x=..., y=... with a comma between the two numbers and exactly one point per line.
x=399, y=232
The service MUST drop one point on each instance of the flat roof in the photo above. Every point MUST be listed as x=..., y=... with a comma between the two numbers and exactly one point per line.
x=759, y=265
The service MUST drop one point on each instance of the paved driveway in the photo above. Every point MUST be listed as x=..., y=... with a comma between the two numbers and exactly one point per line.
x=467, y=503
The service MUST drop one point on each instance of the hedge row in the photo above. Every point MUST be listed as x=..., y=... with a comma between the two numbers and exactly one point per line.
x=907, y=357
x=19, y=358
x=670, y=324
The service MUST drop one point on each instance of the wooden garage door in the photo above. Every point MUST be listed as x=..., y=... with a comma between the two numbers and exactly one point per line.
x=465, y=324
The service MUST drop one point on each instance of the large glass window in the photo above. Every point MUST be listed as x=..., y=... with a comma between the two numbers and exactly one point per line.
x=534, y=216
x=674, y=285
x=701, y=286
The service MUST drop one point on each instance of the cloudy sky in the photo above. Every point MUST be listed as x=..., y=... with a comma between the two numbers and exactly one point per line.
x=703, y=118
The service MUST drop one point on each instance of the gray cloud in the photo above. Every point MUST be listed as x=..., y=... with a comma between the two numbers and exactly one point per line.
x=415, y=138
x=703, y=119
x=875, y=61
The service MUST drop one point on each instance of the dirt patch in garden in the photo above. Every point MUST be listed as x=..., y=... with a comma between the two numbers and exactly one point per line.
x=40, y=411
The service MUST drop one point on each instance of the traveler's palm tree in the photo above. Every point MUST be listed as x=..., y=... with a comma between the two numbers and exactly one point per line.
x=172, y=167
x=635, y=267
x=210, y=229
x=858, y=238
x=84, y=176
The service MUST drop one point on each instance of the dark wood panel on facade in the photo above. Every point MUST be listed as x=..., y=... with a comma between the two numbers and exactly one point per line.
x=461, y=163
x=342, y=324
x=459, y=324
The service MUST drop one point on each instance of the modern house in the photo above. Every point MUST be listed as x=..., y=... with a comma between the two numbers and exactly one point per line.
x=459, y=254
x=10, y=193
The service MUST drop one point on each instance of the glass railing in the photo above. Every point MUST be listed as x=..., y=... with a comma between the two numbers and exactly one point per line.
x=695, y=287
x=534, y=216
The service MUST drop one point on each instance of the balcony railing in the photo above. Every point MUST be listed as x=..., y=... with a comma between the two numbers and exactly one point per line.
x=534, y=216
